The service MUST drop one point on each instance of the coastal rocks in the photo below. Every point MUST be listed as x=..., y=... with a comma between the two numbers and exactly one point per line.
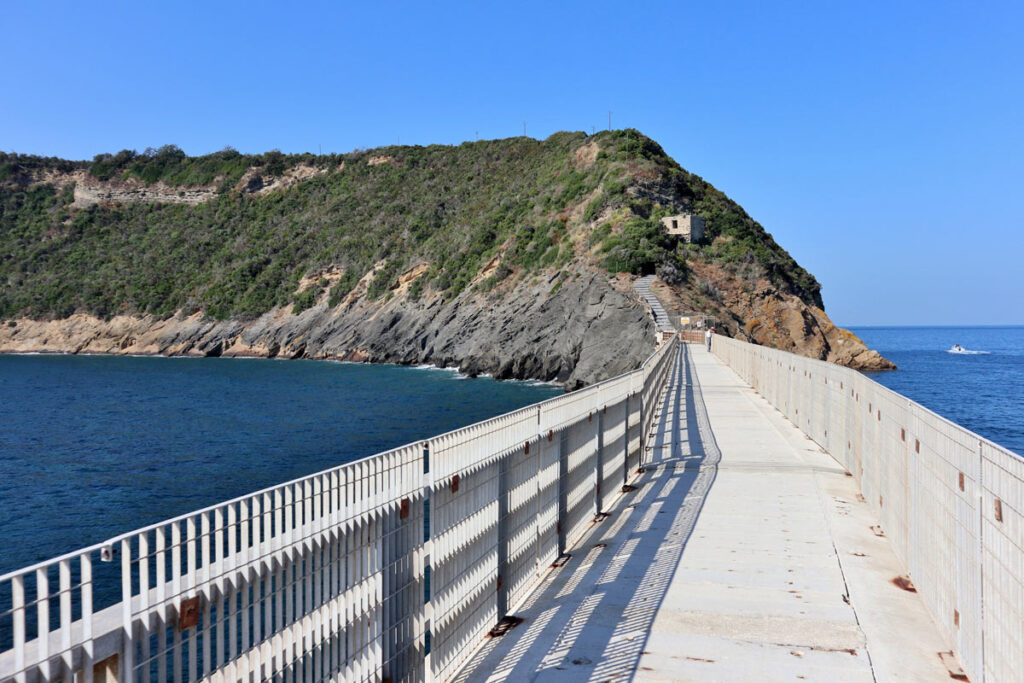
x=585, y=331
x=755, y=310
x=846, y=348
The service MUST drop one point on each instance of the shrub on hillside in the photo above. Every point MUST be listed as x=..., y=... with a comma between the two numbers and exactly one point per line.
x=342, y=287
x=638, y=247
x=304, y=300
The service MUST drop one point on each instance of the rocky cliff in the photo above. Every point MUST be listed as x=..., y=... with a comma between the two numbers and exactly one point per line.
x=590, y=329
x=509, y=257
x=757, y=311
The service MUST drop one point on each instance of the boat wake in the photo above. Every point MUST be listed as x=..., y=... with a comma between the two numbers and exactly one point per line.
x=966, y=352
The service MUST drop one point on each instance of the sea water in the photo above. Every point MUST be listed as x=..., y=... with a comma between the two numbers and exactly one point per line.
x=92, y=446
x=982, y=389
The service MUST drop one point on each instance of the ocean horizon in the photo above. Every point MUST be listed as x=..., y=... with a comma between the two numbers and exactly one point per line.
x=929, y=327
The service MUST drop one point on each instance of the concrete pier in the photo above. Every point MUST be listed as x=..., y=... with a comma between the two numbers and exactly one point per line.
x=744, y=553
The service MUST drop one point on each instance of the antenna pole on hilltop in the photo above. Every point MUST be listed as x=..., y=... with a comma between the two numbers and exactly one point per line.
x=609, y=120
x=524, y=129
x=477, y=134
x=319, y=149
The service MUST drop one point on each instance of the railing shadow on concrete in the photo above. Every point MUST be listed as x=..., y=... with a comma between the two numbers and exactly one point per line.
x=605, y=598
x=391, y=567
x=950, y=501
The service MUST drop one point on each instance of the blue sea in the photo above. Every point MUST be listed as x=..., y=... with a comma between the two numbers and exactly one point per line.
x=93, y=446
x=982, y=389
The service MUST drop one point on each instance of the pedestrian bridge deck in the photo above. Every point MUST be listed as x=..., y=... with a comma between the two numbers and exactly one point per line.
x=745, y=553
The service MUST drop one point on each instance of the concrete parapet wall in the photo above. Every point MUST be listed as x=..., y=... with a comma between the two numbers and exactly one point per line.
x=951, y=501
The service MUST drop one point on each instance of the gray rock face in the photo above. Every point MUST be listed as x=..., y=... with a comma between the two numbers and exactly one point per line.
x=582, y=333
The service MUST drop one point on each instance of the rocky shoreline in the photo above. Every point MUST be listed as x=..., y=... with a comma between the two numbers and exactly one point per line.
x=570, y=328
x=762, y=313
x=585, y=331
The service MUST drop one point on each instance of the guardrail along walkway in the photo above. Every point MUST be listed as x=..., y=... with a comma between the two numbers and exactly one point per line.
x=392, y=567
x=743, y=554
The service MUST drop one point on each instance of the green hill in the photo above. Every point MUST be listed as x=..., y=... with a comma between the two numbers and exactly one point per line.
x=537, y=204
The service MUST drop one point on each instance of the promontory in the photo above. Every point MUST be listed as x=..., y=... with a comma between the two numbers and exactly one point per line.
x=512, y=257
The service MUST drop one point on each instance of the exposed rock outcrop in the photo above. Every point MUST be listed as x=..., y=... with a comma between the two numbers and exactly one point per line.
x=89, y=190
x=758, y=311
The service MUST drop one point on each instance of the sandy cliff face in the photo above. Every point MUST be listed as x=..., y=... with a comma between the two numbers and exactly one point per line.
x=587, y=330
x=88, y=190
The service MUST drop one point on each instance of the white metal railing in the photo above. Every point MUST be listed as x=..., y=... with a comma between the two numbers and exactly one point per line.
x=392, y=567
x=952, y=502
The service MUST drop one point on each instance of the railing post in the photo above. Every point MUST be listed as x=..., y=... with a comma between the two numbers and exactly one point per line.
x=85, y=567
x=563, y=492
x=128, y=647
x=643, y=426
x=501, y=588
x=390, y=585
x=599, y=466
x=18, y=615
x=981, y=563
x=538, y=503
x=43, y=622
x=625, y=438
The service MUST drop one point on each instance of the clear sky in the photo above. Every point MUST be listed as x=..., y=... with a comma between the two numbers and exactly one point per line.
x=881, y=144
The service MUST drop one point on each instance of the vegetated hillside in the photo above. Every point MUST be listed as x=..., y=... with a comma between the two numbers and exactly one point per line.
x=497, y=256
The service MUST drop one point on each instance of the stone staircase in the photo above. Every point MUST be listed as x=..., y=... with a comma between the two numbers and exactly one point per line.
x=643, y=288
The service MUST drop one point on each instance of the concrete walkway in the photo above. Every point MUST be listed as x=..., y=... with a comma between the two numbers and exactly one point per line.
x=743, y=555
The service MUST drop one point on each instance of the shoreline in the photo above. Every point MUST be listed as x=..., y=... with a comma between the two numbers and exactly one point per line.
x=254, y=356
x=474, y=333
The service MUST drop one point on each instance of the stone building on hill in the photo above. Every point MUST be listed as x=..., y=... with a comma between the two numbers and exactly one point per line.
x=687, y=226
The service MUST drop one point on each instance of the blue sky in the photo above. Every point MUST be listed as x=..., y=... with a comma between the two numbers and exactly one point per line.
x=881, y=144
